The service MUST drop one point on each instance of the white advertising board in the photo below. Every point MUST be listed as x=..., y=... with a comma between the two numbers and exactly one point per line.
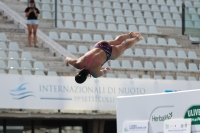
x=177, y=126
x=44, y=92
x=135, y=127
x=156, y=108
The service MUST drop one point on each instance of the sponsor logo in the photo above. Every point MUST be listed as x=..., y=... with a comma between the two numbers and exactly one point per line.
x=194, y=114
x=21, y=92
x=162, y=117
x=135, y=128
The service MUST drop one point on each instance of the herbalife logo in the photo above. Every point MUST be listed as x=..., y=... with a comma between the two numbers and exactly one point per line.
x=162, y=117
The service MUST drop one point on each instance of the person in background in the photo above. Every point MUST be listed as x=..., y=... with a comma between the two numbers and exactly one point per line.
x=32, y=22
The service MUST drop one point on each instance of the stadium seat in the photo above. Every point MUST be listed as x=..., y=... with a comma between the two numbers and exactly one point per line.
x=64, y=36
x=132, y=28
x=126, y=6
x=140, y=21
x=3, y=55
x=47, y=15
x=112, y=27
x=142, y=42
x=79, y=17
x=126, y=65
x=53, y=35
x=162, y=41
x=59, y=16
x=101, y=26
x=108, y=11
x=160, y=22
x=60, y=24
x=67, y=8
x=166, y=15
x=146, y=77
x=87, y=37
x=46, y=7
x=161, y=2
x=143, y=29
x=169, y=77
x=82, y=49
x=173, y=9
x=59, y=9
x=182, y=67
x=180, y=78
x=128, y=13
x=68, y=16
x=153, y=29
x=150, y=53
x=114, y=64
x=154, y=8
x=52, y=73
x=181, y=54
x=171, y=54
x=100, y=18
x=12, y=64
x=76, y=37
x=3, y=37
x=77, y=9
x=192, y=55
x=120, y=20
x=3, y=65
x=69, y=25
x=151, y=41
x=77, y=2
x=148, y=65
x=196, y=4
x=193, y=67
x=88, y=10
x=13, y=72
x=150, y=21
x=107, y=4
x=87, y=3
x=89, y=17
x=97, y=4
x=109, y=19
x=66, y=2
x=39, y=73
x=145, y=7
x=176, y=16
x=90, y=26
x=178, y=23
x=170, y=66
x=147, y=14
x=136, y=6
x=128, y=52
x=121, y=75
x=188, y=3
x=172, y=42
x=80, y=25
x=197, y=24
x=170, y=23
x=108, y=37
x=139, y=52
x=118, y=12
x=137, y=65
x=116, y=5
x=157, y=77
x=14, y=46
x=152, y=2
x=130, y=20
x=134, y=76
x=142, y=1
x=72, y=49
x=122, y=27
x=164, y=9
x=38, y=65
x=3, y=46
x=191, y=78
x=160, y=66
x=26, y=65
x=98, y=10
x=97, y=37
x=157, y=15
x=26, y=72
x=13, y=55
x=178, y=3
x=138, y=14
x=110, y=75
x=160, y=53
x=170, y=2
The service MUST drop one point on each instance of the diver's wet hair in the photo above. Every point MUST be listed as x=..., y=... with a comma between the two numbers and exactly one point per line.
x=81, y=76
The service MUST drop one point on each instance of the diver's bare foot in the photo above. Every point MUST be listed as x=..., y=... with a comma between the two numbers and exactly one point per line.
x=139, y=37
x=134, y=34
